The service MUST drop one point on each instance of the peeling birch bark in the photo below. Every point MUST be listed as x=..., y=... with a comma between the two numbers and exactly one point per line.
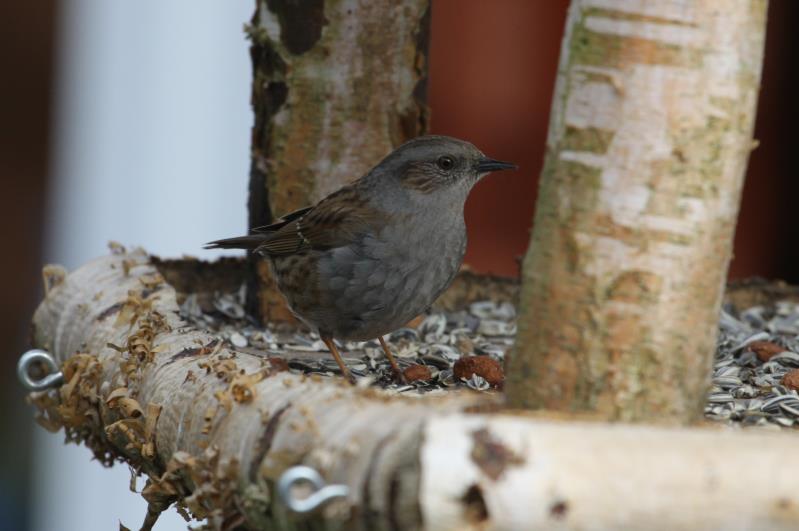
x=224, y=424
x=337, y=85
x=650, y=133
x=213, y=429
x=512, y=473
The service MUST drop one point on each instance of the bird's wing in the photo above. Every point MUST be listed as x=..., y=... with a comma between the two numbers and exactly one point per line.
x=334, y=222
x=280, y=223
x=258, y=235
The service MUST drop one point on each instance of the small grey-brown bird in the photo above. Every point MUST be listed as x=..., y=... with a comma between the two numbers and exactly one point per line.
x=376, y=253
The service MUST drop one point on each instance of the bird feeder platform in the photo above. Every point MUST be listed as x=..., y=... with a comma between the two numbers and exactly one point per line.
x=162, y=370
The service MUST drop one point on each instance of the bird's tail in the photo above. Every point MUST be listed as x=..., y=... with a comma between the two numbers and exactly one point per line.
x=250, y=242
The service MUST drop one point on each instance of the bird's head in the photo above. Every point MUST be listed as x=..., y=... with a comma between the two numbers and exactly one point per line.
x=429, y=164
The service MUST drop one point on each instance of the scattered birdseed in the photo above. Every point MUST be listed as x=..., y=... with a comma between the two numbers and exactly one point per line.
x=486, y=328
x=746, y=389
x=756, y=348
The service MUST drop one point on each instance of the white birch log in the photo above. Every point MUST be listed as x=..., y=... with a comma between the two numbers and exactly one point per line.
x=214, y=429
x=594, y=476
x=650, y=132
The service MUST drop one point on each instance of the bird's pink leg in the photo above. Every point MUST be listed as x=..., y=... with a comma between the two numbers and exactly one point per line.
x=333, y=350
x=391, y=360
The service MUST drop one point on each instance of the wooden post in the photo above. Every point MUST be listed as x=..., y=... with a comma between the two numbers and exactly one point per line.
x=336, y=86
x=650, y=132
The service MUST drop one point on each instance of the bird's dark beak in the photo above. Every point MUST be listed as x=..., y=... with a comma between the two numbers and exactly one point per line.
x=487, y=165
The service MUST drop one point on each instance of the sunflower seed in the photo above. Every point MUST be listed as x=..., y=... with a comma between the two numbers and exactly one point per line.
x=727, y=382
x=477, y=382
x=772, y=404
x=791, y=408
x=436, y=361
x=496, y=328
x=759, y=336
x=434, y=325
x=408, y=334
x=445, y=351
x=720, y=398
x=238, y=340
x=492, y=310
x=790, y=359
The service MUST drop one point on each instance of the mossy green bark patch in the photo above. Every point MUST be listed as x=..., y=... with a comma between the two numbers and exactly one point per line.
x=590, y=139
x=591, y=48
x=635, y=286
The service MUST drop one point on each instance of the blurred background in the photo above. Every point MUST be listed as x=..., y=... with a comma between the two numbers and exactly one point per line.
x=130, y=121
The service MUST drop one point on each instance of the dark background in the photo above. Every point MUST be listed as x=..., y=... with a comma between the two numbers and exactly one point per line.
x=491, y=81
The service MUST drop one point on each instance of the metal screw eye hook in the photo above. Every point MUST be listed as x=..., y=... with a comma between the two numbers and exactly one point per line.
x=323, y=494
x=27, y=360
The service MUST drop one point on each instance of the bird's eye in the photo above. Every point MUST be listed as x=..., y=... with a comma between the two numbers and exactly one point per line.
x=445, y=162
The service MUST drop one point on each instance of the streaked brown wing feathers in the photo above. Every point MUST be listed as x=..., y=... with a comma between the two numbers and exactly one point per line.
x=334, y=222
x=282, y=222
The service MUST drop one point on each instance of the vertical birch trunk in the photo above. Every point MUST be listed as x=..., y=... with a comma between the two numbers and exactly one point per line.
x=337, y=84
x=649, y=137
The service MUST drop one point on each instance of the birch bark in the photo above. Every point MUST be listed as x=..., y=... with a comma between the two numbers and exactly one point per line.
x=214, y=428
x=650, y=132
x=337, y=85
